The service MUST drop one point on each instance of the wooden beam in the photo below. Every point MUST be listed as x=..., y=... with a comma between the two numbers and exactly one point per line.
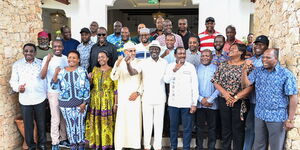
x=64, y=1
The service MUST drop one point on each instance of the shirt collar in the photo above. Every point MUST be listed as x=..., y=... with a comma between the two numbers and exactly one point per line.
x=189, y=51
x=34, y=61
x=277, y=67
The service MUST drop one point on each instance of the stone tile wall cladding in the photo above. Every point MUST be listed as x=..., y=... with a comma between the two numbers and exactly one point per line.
x=20, y=23
x=280, y=20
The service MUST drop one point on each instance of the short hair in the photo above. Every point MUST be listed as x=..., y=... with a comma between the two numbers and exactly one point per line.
x=31, y=45
x=231, y=27
x=275, y=52
x=63, y=27
x=56, y=40
x=102, y=28
x=167, y=20
x=180, y=47
x=220, y=36
x=242, y=48
x=76, y=52
x=170, y=34
x=194, y=36
x=209, y=51
x=250, y=34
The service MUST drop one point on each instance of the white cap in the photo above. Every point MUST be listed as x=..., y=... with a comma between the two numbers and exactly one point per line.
x=129, y=45
x=154, y=43
x=145, y=30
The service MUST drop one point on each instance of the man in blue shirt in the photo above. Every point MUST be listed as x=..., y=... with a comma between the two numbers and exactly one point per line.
x=116, y=36
x=276, y=100
x=261, y=44
x=220, y=55
x=68, y=42
x=207, y=106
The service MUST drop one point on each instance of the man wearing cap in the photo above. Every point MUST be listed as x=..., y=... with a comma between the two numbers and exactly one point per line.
x=102, y=45
x=94, y=28
x=167, y=28
x=207, y=37
x=230, y=38
x=184, y=32
x=142, y=51
x=128, y=127
x=43, y=48
x=116, y=36
x=84, y=48
x=261, y=44
x=137, y=39
x=68, y=42
x=154, y=96
x=50, y=63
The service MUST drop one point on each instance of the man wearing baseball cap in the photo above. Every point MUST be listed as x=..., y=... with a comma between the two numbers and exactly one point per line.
x=84, y=48
x=207, y=37
x=261, y=44
x=43, y=48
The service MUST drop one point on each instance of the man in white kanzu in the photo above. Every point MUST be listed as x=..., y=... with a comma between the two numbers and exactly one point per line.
x=128, y=128
x=183, y=96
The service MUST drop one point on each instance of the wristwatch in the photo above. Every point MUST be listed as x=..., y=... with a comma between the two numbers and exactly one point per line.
x=236, y=97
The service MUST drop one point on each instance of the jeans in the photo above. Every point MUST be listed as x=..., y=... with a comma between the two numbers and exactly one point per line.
x=233, y=128
x=187, y=118
x=249, y=130
x=37, y=113
x=210, y=116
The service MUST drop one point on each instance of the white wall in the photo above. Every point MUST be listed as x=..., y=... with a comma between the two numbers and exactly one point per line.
x=226, y=12
x=82, y=13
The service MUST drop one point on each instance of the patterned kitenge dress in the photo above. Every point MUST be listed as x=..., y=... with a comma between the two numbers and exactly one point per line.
x=100, y=121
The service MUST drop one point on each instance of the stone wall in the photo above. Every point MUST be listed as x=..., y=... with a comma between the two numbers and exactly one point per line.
x=280, y=20
x=20, y=23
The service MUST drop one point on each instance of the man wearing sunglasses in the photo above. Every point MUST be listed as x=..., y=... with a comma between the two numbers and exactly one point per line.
x=102, y=45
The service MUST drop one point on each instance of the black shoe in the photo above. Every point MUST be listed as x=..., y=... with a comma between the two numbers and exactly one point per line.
x=42, y=147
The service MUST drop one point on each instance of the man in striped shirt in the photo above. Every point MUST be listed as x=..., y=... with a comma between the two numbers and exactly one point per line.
x=207, y=37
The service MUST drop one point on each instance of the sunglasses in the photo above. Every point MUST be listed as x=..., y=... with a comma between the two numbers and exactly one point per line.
x=99, y=34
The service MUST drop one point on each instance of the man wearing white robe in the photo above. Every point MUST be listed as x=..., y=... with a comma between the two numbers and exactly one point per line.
x=128, y=128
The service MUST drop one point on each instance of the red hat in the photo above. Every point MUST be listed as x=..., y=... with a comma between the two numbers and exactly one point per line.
x=43, y=34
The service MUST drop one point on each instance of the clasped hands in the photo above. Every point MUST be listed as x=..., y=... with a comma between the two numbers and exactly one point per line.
x=230, y=100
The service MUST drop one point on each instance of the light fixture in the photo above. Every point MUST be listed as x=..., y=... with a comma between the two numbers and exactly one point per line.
x=158, y=14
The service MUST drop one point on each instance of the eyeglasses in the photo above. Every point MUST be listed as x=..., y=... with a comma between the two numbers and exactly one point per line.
x=99, y=34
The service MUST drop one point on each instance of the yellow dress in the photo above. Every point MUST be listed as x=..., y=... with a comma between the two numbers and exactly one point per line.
x=100, y=120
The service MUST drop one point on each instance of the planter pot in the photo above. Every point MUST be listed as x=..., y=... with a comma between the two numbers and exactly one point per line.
x=20, y=125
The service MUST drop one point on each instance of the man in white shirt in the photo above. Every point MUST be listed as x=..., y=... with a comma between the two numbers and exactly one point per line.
x=58, y=124
x=26, y=80
x=153, y=95
x=183, y=97
x=142, y=51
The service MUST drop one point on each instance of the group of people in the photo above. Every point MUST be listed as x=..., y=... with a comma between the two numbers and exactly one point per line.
x=112, y=91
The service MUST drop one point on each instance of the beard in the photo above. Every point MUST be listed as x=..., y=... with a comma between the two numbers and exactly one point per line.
x=43, y=45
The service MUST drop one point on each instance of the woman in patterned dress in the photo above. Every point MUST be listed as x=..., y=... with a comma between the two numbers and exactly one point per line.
x=74, y=87
x=101, y=114
x=233, y=98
